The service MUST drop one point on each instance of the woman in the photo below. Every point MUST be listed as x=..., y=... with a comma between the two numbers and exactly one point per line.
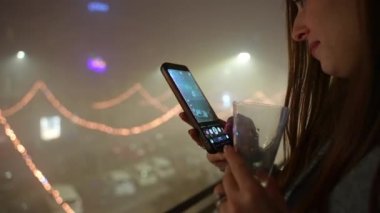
x=333, y=133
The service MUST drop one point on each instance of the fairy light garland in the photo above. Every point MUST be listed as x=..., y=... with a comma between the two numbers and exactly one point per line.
x=41, y=86
x=137, y=88
x=153, y=101
x=119, y=99
x=168, y=113
x=32, y=166
x=164, y=97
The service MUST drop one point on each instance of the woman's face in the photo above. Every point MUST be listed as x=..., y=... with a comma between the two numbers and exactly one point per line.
x=335, y=33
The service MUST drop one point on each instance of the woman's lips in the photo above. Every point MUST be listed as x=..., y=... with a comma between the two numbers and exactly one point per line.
x=313, y=46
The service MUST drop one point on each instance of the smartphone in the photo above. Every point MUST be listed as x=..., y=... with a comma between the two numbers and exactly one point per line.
x=196, y=106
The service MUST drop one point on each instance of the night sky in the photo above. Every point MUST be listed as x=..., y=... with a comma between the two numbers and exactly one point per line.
x=134, y=38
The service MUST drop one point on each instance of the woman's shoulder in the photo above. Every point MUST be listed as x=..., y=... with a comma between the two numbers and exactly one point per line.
x=354, y=191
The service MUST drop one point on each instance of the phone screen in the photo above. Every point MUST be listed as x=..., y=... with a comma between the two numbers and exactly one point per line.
x=193, y=96
x=195, y=104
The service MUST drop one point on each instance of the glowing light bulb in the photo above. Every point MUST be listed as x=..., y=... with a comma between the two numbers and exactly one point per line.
x=96, y=6
x=97, y=64
x=20, y=55
x=226, y=100
x=244, y=57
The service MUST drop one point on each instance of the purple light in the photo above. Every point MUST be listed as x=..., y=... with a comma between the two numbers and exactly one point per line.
x=97, y=64
x=98, y=7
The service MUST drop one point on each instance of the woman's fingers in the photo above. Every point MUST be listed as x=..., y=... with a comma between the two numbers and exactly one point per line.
x=221, y=165
x=222, y=122
x=230, y=184
x=216, y=157
x=194, y=134
x=219, y=191
x=238, y=166
x=184, y=117
x=228, y=126
x=218, y=160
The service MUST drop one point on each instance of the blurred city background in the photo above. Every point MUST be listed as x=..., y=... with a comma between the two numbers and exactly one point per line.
x=87, y=121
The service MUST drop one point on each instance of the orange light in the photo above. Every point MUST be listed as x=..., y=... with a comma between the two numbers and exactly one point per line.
x=20, y=148
x=67, y=208
x=59, y=200
x=162, y=98
x=47, y=187
x=155, y=102
x=32, y=167
x=259, y=96
x=39, y=85
x=168, y=113
x=117, y=100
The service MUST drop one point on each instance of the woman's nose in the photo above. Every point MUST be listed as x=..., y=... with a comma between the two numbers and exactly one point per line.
x=300, y=31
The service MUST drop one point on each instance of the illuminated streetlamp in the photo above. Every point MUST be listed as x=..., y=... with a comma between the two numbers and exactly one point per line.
x=20, y=55
x=244, y=57
x=226, y=100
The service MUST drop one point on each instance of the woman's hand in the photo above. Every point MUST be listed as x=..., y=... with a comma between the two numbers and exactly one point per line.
x=218, y=158
x=241, y=192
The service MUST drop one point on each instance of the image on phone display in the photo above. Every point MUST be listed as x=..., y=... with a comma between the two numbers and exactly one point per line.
x=193, y=96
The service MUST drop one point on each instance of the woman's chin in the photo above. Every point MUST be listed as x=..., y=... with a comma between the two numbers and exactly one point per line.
x=333, y=71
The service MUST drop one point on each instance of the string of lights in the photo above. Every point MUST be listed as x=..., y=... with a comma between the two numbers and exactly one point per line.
x=162, y=98
x=155, y=102
x=277, y=98
x=168, y=94
x=108, y=129
x=119, y=99
x=259, y=96
x=32, y=166
x=152, y=101
x=39, y=85
x=169, y=113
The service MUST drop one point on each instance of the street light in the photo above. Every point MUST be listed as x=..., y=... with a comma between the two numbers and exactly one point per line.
x=20, y=55
x=226, y=100
x=244, y=57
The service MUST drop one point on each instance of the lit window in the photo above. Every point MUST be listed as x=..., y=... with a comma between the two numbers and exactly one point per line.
x=50, y=128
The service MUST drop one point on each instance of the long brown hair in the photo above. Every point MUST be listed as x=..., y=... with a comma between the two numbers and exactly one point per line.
x=326, y=109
